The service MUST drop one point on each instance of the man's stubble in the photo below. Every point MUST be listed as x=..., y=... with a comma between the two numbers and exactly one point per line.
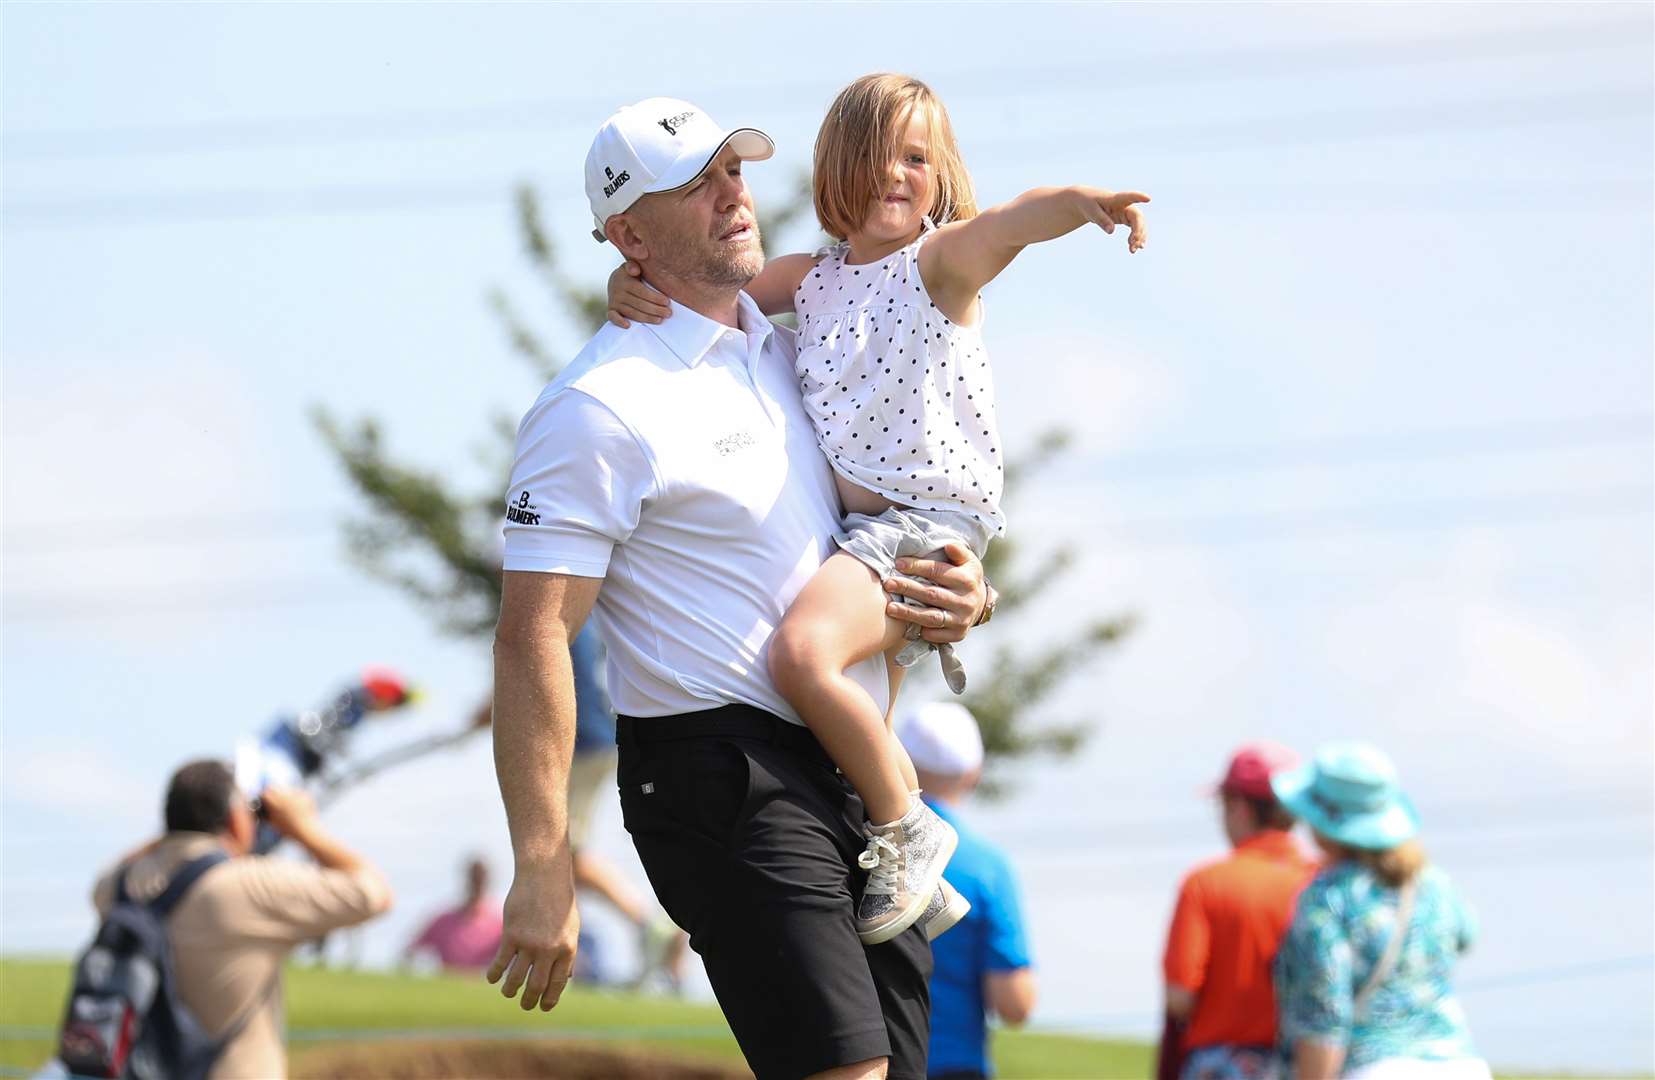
x=704, y=262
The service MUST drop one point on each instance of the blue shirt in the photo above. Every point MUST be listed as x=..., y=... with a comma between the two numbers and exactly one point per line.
x=990, y=938
x=594, y=716
x=1344, y=920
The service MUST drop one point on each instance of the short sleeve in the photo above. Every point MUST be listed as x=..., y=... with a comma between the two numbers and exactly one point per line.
x=578, y=487
x=1006, y=945
x=1314, y=974
x=1189, y=939
x=291, y=901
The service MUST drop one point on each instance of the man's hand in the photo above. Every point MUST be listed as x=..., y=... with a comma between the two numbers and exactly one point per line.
x=954, y=600
x=537, y=944
x=290, y=811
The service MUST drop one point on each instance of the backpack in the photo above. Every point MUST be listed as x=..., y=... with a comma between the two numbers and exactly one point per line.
x=124, y=1018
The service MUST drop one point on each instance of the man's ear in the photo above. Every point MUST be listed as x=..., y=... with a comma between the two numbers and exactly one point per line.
x=622, y=231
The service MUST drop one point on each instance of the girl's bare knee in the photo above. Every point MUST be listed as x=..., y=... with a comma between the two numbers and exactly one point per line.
x=792, y=657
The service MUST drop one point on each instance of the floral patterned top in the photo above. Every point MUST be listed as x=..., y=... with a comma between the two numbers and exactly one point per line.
x=1343, y=921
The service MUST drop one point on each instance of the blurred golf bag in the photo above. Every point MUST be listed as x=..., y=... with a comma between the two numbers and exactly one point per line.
x=310, y=750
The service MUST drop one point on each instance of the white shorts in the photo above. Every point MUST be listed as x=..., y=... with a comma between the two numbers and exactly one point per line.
x=587, y=773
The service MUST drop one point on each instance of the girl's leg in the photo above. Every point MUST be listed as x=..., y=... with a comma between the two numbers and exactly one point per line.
x=894, y=673
x=837, y=620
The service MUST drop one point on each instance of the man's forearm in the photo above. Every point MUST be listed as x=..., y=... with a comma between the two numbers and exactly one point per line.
x=326, y=850
x=534, y=729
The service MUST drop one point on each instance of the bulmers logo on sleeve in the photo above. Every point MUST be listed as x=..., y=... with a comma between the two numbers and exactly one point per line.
x=522, y=511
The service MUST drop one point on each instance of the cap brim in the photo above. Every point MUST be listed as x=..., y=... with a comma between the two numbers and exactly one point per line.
x=750, y=144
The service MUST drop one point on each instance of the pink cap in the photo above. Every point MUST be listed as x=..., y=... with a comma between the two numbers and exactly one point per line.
x=1252, y=766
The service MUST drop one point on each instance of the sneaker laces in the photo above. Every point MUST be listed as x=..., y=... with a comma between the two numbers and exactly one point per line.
x=883, y=862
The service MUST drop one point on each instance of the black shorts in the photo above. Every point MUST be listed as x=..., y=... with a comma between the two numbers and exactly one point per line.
x=750, y=837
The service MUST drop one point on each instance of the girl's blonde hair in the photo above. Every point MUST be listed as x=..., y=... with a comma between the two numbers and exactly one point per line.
x=862, y=135
x=1395, y=866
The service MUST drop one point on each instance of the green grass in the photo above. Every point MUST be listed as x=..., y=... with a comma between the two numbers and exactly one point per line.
x=329, y=1005
x=338, y=1002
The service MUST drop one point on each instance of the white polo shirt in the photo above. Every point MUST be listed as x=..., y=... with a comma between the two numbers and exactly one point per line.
x=677, y=463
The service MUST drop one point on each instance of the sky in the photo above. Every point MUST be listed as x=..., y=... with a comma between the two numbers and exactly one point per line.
x=1363, y=438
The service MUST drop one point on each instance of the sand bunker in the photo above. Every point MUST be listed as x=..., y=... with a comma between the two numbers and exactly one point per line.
x=480, y=1059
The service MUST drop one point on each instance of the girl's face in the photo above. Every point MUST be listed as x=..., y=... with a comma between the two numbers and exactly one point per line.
x=909, y=187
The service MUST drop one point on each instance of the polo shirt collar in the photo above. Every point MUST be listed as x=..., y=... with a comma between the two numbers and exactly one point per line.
x=689, y=334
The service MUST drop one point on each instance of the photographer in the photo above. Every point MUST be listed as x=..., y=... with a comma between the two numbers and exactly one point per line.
x=234, y=928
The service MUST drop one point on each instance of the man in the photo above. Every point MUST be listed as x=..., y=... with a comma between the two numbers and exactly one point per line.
x=983, y=964
x=468, y=936
x=671, y=478
x=1228, y=923
x=235, y=926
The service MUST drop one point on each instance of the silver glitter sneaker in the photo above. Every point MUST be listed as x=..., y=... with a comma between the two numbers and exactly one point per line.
x=904, y=861
x=946, y=908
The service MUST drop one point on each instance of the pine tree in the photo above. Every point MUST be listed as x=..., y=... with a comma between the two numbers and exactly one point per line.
x=440, y=545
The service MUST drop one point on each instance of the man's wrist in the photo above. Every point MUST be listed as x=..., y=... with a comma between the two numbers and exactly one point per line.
x=991, y=598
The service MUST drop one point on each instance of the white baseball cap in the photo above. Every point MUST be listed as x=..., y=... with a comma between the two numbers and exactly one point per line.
x=941, y=737
x=657, y=145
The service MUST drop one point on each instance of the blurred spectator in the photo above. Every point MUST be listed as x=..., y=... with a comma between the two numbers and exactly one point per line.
x=467, y=937
x=661, y=945
x=1229, y=919
x=982, y=965
x=1364, y=978
x=234, y=928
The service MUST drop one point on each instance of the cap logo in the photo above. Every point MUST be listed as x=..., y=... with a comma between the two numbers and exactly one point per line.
x=615, y=182
x=673, y=123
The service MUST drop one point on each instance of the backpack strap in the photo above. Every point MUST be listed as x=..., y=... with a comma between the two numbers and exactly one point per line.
x=182, y=879
x=1393, y=950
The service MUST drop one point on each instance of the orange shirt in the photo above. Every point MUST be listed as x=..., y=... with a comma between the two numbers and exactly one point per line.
x=1231, y=916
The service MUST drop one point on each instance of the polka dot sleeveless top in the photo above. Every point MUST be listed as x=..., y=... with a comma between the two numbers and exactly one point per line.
x=900, y=394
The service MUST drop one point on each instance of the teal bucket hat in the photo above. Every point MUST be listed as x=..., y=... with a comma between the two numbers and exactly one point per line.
x=1350, y=795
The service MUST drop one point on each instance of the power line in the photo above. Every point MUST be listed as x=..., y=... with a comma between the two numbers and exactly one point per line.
x=1431, y=515
x=1519, y=437
x=1125, y=72
x=1335, y=451
x=1203, y=137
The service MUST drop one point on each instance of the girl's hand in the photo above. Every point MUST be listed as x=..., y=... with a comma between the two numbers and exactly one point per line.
x=1106, y=208
x=631, y=298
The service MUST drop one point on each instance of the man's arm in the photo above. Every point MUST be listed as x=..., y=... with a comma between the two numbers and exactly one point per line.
x=298, y=902
x=292, y=813
x=1011, y=994
x=534, y=732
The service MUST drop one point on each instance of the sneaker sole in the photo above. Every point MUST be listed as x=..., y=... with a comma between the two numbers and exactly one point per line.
x=957, y=908
x=920, y=901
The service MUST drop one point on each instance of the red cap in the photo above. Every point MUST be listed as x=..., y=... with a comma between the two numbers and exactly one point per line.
x=1253, y=765
x=386, y=688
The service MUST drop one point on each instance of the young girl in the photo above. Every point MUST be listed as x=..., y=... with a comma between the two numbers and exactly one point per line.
x=897, y=383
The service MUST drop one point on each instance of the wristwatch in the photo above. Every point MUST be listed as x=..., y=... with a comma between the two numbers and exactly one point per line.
x=988, y=604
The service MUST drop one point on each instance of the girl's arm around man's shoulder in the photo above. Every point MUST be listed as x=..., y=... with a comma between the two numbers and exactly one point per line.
x=774, y=287
x=964, y=256
x=632, y=299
